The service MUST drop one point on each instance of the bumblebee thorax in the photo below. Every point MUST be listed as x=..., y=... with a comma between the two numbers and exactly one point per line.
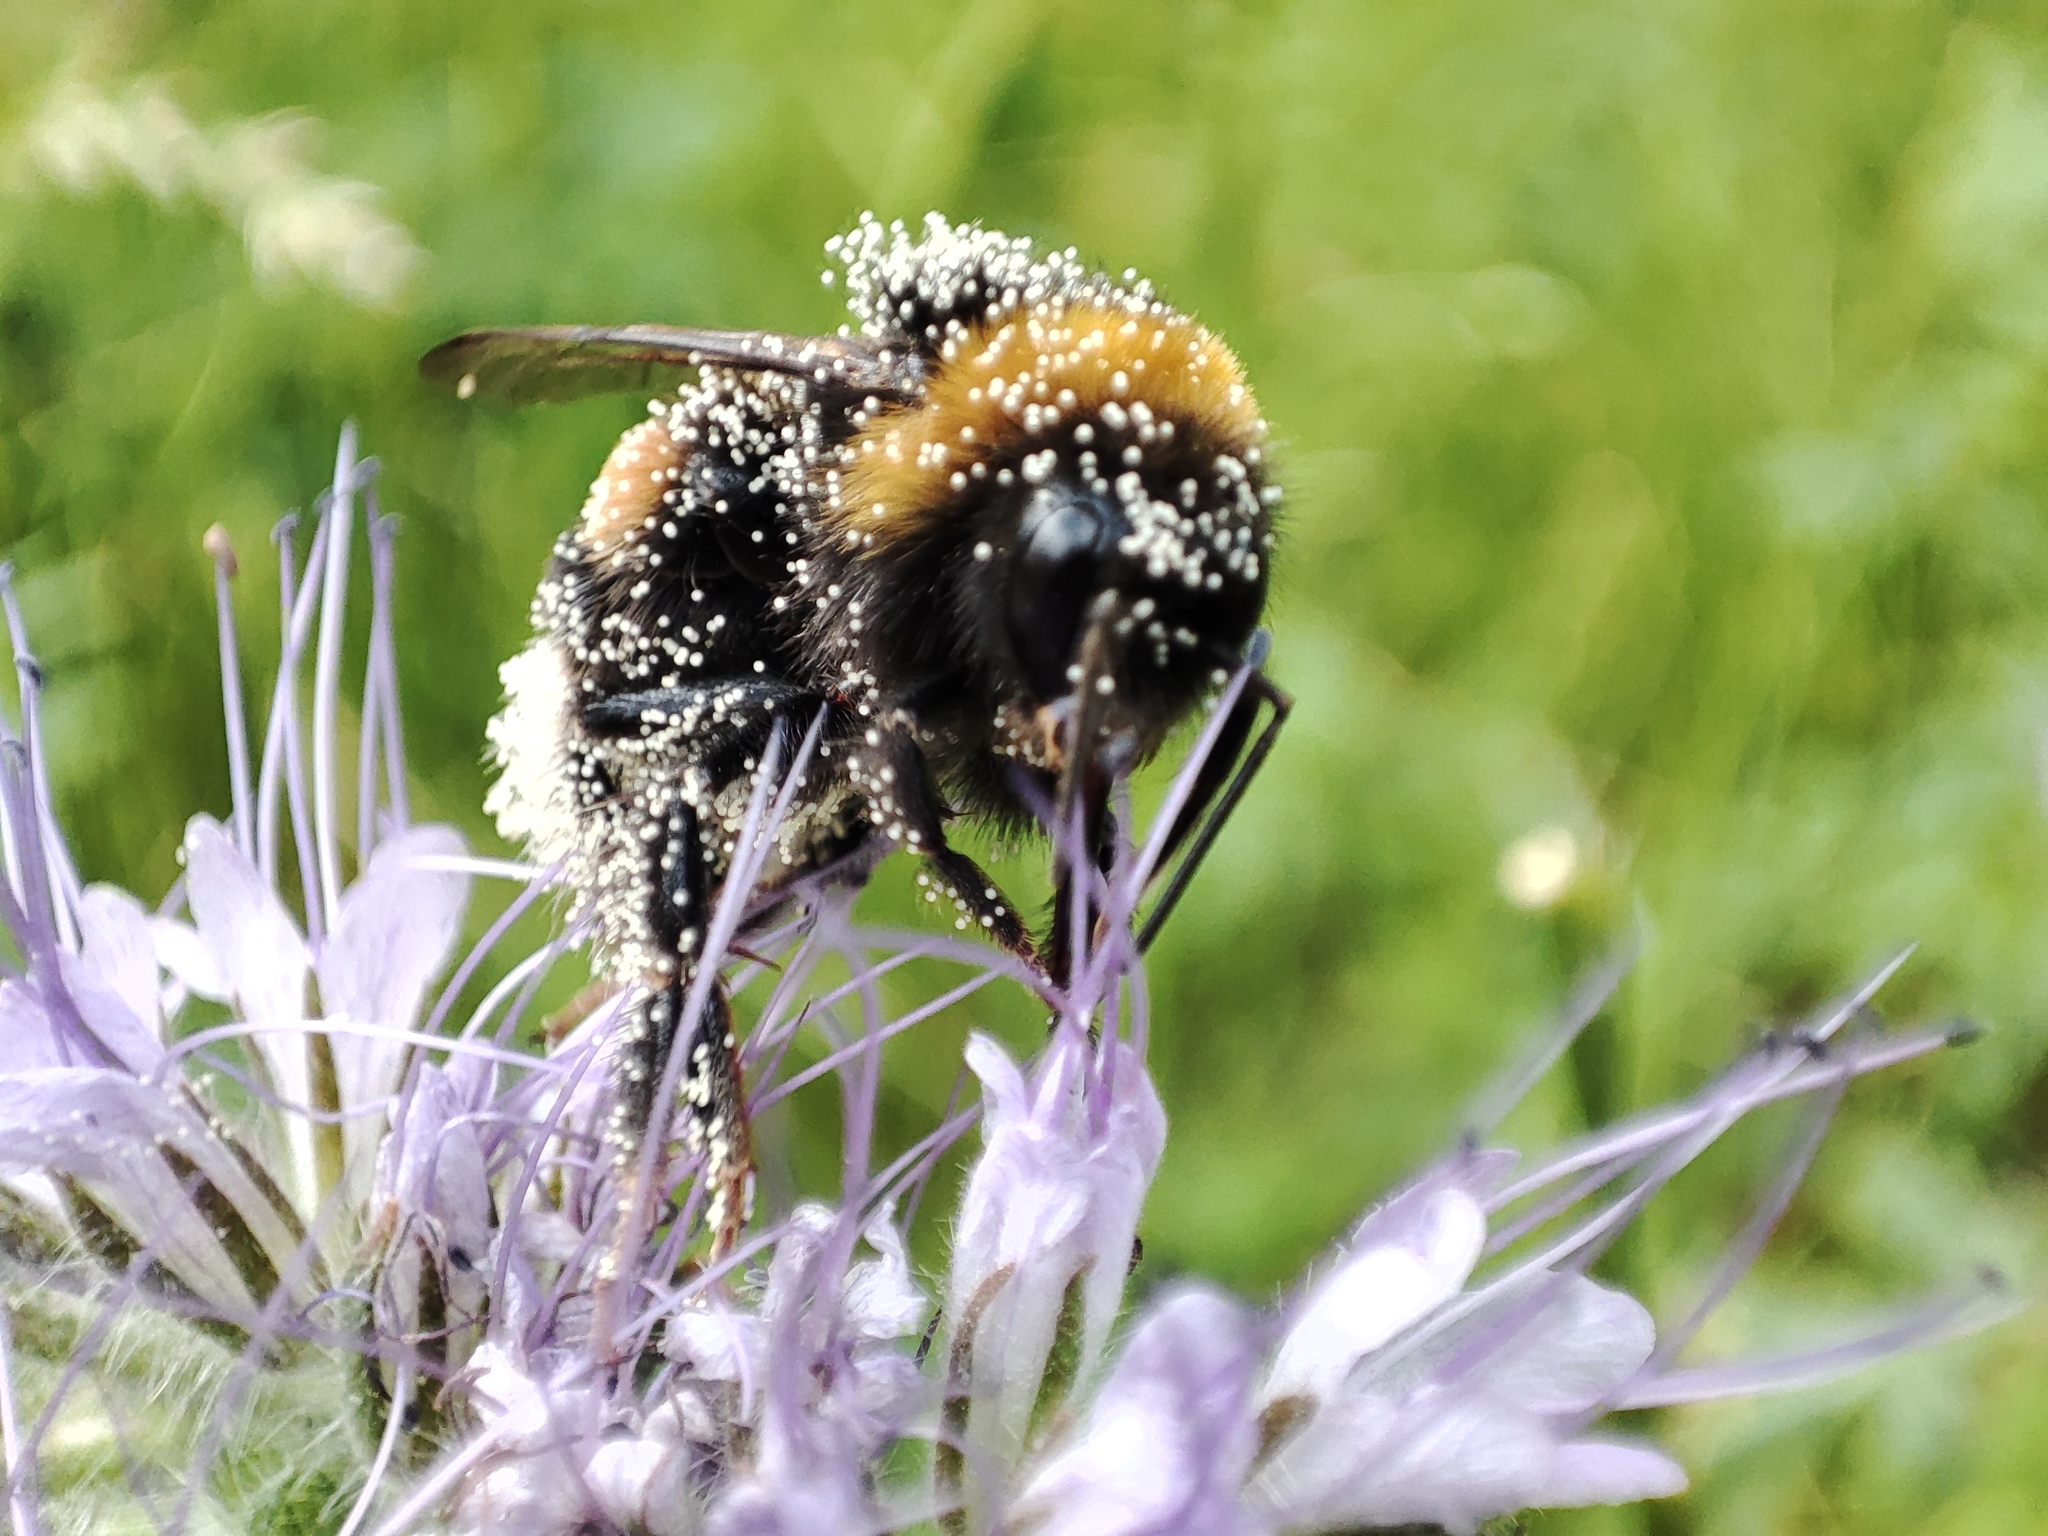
x=1107, y=384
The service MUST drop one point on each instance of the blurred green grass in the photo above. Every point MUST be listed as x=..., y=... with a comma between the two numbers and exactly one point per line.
x=1663, y=400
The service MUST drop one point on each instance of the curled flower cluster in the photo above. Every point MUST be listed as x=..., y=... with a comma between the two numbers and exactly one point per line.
x=291, y=1241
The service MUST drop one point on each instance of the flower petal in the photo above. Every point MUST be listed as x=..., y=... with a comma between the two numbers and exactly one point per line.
x=80, y=1120
x=1165, y=1446
x=114, y=977
x=879, y=1299
x=256, y=947
x=1597, y=1470
x=181, y=951
x=641, y=1484
x=392, y=936
x=1401, y=1267
x=523, y=1413
x=807, y=1482
x=1437, y=1458
x=26, y=1033
x=1053, y=1202
x=107, y=1015
x=395, y=928
x=109, y=1128
x=258, y=953
x=1585, y=1342
x=718, y=1344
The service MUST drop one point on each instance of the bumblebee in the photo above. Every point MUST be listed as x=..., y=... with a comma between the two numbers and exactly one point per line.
x=997, y=542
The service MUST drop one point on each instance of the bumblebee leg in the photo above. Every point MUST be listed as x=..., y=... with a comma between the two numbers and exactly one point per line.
x=590, y=997
x=677, y=908
x=726, y=721
x=849, y=856
x=714, y=1117
x=957, y=878
x=1219, y=784
x=714, y=1110
x=903, y=805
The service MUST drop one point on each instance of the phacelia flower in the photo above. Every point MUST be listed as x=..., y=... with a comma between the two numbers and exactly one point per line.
x=289, y=1239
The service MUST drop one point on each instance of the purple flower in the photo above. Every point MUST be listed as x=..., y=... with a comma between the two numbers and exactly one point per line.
x=1473, y=1422
x=840, y=1335
x=90, y=1144
x=542, y=1429
x=1168, y=1439
x=113, y=978
x=1050, y=1209
x=354, y=1200
x=430, y=1205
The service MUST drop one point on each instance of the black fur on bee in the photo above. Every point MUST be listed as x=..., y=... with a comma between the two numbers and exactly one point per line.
x=1002, y=538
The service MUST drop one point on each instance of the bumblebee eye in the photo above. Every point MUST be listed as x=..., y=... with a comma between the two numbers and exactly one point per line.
x=1064, y=543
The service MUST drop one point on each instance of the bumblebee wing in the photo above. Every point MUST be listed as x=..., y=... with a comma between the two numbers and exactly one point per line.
x=567, y=362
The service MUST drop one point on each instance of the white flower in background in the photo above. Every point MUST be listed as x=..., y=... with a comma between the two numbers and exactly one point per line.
x=1538, y=868
x=252, y=171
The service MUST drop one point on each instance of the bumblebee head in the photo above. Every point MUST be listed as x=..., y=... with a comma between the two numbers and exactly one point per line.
x=1073, y=496
x=1135, y=584
x=1075, y=450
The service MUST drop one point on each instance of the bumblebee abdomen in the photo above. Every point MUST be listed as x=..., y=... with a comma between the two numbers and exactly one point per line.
x=637, y=482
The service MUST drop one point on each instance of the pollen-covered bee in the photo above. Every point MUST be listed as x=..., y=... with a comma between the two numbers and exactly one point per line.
x=1003, y=537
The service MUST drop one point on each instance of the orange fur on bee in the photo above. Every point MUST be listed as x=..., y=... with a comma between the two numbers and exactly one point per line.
x=1073, y=362
x=636, y=475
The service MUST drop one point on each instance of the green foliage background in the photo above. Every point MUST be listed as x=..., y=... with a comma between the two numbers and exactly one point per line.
x=1663, y=396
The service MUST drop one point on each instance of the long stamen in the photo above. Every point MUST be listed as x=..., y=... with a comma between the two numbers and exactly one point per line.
x=861, y=1083
x=387, y=1446
x=383, y=660
x=1755, y=1232
x=546, y=1128
x=281, y=534
x=921, y=1161
x=1182, y=787
x=282, y=763
x=434, y=1488
x=222, y=550
x=1509, y=1087
x=1929, y=1323
x=58, y=870
x=349, y=476
x=33, y=921
x=12, y=834
x=753, y=846
x=369, y=720
x=1745, y=1090
x=482, y=949
x=1138, y=999
x=838, y=1059
x=756, y=834
x=1503, y=1235
x=319, y=910
x=1572, y=1253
